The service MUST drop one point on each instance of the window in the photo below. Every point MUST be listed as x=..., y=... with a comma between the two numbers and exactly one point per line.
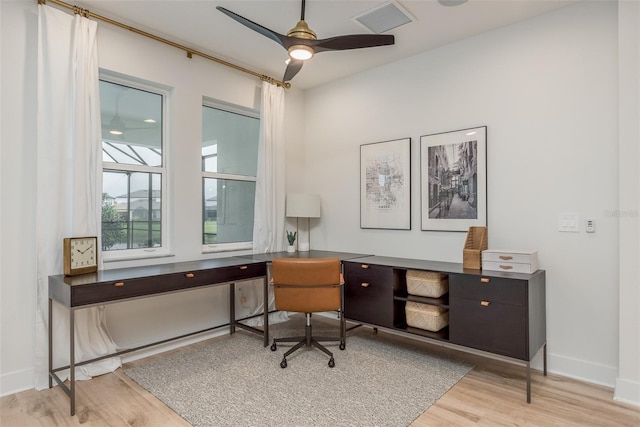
x=133, y=171
x=229, y=164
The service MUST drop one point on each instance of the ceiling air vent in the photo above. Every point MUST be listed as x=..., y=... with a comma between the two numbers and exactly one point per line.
x=383, y=18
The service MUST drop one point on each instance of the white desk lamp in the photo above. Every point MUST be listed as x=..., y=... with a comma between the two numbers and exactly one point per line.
x=303, y=206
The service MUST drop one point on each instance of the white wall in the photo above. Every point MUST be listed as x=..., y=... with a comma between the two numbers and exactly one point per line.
x=547, y=89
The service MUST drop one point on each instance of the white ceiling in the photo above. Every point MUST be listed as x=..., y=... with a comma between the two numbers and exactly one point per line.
x=197, y=24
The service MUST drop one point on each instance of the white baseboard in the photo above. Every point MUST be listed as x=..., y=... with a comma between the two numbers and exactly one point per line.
x=15, y=382
x=627, y=391
x=582, y=370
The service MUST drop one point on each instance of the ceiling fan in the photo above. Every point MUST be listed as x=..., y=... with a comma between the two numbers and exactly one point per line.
x=302, y=43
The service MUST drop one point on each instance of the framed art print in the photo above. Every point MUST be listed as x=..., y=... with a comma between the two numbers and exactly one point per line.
x=453, y=180
x=385, y=185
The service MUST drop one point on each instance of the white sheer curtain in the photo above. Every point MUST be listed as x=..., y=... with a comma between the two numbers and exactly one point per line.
x=269, y=219
x=69, y=182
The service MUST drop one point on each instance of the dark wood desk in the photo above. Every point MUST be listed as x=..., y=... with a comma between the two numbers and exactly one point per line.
x=112, y=286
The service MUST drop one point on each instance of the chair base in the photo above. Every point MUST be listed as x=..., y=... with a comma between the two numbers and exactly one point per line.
x=308, y=340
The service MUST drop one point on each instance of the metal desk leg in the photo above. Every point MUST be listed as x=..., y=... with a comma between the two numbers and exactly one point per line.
x=528, y=382
x=50, y=326
x=343, y=321
x=232, y=308
x=265, y=306
x=72, y=362
x=544, y=355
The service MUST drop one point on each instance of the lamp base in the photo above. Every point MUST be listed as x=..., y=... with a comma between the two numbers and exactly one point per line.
x=303, y=247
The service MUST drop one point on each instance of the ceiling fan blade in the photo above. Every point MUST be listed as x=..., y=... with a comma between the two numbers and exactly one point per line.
x=354, y=41
x=276, y=37
x=293, y=67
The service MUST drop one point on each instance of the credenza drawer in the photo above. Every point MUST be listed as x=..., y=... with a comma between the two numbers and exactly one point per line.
x=369, y=293
x=485, y=288
x=137, y=287
x=489, y=326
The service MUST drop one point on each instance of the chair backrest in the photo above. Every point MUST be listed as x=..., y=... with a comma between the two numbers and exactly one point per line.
x=307, y=285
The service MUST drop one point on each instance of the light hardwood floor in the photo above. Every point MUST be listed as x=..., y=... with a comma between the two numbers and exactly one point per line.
x=492, y=394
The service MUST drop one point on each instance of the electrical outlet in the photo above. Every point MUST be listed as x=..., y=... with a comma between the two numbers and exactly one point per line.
x=590, y=225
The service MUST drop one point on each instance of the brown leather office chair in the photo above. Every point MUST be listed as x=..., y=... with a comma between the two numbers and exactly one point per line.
x=308, y=285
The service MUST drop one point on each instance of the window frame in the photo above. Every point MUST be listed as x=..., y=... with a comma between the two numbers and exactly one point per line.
x=164, y=92
x=235, y=109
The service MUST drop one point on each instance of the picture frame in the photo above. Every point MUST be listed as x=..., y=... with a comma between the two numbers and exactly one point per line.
x=453, y=180
x=385, y=185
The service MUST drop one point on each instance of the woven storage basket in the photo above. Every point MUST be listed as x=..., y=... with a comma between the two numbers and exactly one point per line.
x=425, y=316
x=427, y=283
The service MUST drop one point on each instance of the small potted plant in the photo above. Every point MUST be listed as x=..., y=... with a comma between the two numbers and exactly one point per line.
x=291, y=237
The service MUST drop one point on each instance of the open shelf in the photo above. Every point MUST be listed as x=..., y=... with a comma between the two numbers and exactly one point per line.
x=442, y=301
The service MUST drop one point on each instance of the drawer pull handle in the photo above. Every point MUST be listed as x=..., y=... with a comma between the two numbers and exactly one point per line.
x=485, y=280
x=506, y=257
x=190, y=275
x=506, y=267
x=118, y=284
x=485, y=303
x=244, y=267
x=365, y=266
x=364, y=284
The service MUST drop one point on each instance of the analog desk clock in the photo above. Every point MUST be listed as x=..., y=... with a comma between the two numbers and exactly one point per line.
x=80, y=255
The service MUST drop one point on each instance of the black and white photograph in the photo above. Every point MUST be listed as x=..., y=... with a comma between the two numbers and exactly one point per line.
x=453, y=180
x=385, y=185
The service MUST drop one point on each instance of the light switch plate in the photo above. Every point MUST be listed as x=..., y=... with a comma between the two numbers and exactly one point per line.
x=569, y=222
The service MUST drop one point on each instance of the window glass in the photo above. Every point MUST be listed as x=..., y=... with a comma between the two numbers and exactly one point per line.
x=228, y=210
x=229, y=164
x=229, y=142
x=131, y=210
x=131, y=125
x=133, y=176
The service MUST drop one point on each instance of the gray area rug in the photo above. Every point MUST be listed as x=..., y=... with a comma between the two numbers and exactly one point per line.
x=235, y=381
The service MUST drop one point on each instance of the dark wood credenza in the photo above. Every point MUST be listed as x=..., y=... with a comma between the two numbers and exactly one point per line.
x=497, y=312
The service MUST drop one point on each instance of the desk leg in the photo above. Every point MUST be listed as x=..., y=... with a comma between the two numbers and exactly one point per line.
x=528, y=382
x=72, y=361
x=232, y=308
x=50, y=326
x=265, y=306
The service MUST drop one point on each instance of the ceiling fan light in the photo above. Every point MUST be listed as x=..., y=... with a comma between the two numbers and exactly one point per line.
x=300, y=52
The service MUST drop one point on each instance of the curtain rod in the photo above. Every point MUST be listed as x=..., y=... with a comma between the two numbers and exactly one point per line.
x=190, y=52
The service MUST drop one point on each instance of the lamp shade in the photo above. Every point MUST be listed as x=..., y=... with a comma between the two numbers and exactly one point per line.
x=303, y=205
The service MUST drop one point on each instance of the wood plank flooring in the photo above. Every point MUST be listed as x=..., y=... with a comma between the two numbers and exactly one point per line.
x=492, y=394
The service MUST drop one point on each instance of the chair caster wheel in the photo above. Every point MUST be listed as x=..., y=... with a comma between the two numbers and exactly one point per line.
x=342, y=346
x=283, y=364
x=273, y=346
x=332, y=363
